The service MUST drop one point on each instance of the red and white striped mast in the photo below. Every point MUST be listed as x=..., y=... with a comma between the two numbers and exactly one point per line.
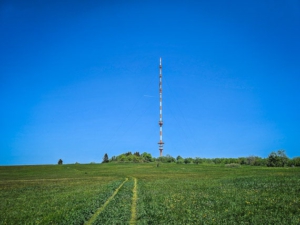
x=160, y=143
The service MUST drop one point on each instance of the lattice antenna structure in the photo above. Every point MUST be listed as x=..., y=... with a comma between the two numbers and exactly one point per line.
x=160, y=122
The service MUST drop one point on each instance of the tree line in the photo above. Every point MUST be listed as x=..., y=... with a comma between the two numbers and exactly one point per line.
x=275, y=159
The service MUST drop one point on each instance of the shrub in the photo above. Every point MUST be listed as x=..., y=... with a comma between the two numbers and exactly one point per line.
x=166, y=159
x=197, y=160
x=180, y=161
x=178, y=157
x=294, y=162
x=277, y=159
x=188, y=160
x=232, y=165
x=147, y=157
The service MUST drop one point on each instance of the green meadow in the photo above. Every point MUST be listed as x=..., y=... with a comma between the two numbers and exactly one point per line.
x=144, y=193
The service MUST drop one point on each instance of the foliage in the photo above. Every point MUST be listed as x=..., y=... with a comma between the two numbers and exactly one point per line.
x=251, y=160
x=147, y=157
x=166, y=159
x=294, y=162
x=260, y=161
x=178, y=158
x=198, y=160
x=105, y=158
x=188, y=160
x=180, y=161
x=277, y=159
x=136, y=157
x=60, y=162
x=137, y=154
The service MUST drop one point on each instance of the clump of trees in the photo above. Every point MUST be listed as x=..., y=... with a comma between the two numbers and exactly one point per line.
x=275, y=159
x=166, y=159
x=294, y=162
x=179, y=160
x=135, y=157
x=60, y=162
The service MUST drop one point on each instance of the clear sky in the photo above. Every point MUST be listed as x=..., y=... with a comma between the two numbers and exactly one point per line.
x=79, y=79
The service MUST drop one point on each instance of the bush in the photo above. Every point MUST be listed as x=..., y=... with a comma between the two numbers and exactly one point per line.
x=166, y=159
x=188, y=160
x=197, y=160
x=277, y=159
x=294, y=162
x=147, y=157
x=233, y=165
x=178, y=157
x=136, y=157
x=60, y=162
x=217, y=160
x=180, y=161
x=260, y=162
x=242, y=160
x=251, y=160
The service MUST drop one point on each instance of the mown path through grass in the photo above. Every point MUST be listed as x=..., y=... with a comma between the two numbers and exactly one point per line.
x=133, y=205
x=119, y=200
x=94, y=217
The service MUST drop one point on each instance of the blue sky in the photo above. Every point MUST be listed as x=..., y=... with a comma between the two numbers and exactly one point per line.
x=79, y=79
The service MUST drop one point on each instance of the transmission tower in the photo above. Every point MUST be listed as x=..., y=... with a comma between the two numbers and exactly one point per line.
x=160, y=143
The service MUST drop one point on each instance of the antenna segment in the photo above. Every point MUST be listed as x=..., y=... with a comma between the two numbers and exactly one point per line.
x=160, y=123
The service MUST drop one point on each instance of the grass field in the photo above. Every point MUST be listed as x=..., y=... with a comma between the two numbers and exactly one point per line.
x=146, y=194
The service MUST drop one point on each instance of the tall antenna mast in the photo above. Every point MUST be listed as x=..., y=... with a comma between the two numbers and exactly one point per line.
x=160, y=143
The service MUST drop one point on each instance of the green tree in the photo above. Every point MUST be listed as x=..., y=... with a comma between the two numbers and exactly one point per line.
x=121, y=158
x=294, y=162
x=277, y=159
x=251, y=160
x=166, y=159
x=147, y=157
x=60, y=162
x=188, y=160
x=242, y=160
x=217, y=160
x=137, y=154
x=260, y=162
x=105, y=158
x=197, y=160
x=178, y=158
x=169, y=158
x=180, y=161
